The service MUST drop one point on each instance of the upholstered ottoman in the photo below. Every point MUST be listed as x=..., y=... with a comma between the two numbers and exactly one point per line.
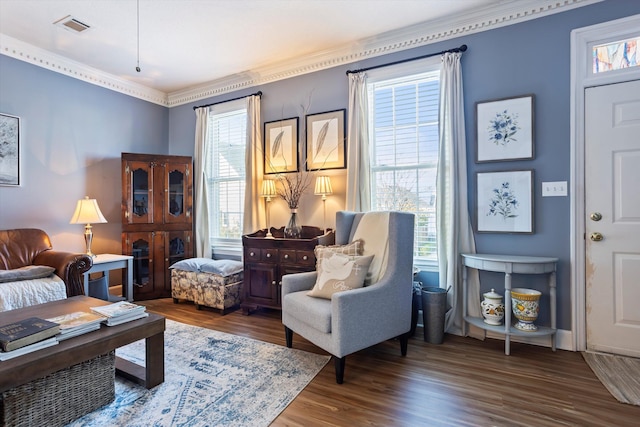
x=212, y=283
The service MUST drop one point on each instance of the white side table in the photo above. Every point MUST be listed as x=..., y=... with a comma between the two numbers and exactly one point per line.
x=511, y=264
x=107, y=262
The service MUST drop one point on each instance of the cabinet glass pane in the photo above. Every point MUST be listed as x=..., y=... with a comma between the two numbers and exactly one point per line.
x=176, y=195
x=140, y=192
x=176, y=250
x=141, y=268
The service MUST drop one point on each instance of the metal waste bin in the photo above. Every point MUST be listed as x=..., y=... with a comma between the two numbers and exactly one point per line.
x=434, y=304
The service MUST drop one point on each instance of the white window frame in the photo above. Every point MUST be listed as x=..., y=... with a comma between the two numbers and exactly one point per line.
x=223, y=245
x=426, y=66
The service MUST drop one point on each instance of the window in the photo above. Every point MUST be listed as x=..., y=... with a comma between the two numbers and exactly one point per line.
x=403, y=126
x=226, y=172
x=616, y=55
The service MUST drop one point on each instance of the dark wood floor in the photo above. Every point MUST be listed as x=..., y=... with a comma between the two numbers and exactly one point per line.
x=462, y=382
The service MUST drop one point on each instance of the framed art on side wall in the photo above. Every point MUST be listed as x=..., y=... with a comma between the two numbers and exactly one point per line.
x=325, y=141
x=281, y=146
x=504, y=129
x=504, y=202
x=9, y=150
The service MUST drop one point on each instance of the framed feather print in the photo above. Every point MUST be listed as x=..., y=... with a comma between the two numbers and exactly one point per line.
x=281, y=146
x=326, y=141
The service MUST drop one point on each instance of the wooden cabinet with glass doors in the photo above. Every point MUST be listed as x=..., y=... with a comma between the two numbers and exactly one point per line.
x=157, y=224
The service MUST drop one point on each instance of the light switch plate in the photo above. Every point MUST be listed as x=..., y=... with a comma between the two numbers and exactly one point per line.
x=554, y=189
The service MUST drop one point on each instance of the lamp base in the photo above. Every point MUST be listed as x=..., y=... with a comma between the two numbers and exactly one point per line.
x=88, y=238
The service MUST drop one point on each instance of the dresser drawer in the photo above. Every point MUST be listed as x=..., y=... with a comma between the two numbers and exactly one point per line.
x=270, y=255
x=306, y=258
x=251, y=254
x=287, y=256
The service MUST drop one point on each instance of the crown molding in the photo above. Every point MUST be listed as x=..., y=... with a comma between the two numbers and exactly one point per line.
x=422, y=34
x=491, y=17
x=26, y=52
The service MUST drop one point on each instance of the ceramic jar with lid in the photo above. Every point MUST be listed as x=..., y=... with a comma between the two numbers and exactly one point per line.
x=492, y=308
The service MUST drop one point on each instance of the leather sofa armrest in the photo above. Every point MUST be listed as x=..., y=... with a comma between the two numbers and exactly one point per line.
x=70, y=267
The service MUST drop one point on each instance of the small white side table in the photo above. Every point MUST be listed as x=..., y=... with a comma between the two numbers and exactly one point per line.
x=510, y=264
x=105, y=263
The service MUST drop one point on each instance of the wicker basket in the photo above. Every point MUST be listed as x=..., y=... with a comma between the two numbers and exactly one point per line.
x=61, y=397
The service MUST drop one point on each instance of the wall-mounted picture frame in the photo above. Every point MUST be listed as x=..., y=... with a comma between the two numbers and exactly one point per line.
x=505, y=202
x=9, y=150
x=326, y=141
x=504, y=129
x=281, y=146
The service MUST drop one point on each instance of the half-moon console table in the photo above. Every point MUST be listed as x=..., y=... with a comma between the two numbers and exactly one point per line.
x=510, y=264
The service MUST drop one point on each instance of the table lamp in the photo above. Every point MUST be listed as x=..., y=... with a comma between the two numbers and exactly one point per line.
x=87, y=212
x=268, y=191
x=323, y=188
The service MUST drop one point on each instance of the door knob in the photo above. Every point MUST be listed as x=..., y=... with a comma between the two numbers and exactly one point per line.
x=596, y=216
x=596, y=237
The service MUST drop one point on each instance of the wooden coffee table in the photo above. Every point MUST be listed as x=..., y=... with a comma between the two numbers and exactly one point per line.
x=31, y=366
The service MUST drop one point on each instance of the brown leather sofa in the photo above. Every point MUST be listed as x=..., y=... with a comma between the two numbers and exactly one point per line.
x=23, y=247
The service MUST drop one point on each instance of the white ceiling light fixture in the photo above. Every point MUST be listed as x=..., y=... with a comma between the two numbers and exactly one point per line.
x=138, y=28
x=72, y=24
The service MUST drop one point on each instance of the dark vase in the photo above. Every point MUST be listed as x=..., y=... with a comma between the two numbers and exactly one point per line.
x=293, y=230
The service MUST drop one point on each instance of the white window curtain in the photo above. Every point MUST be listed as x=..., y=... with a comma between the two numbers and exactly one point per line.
x=455, y=235
x=201, y=190
x=358, y=168
x=254, y=211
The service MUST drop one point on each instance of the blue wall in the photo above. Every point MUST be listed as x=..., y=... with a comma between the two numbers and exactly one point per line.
x=531, y=57
x=72, y=134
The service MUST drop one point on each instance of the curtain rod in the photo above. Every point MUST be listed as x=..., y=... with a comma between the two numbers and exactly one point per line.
x=462, y=48
x=258, y=93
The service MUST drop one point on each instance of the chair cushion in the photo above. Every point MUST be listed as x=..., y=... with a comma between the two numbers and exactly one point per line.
x=222, y=267
x=26, y=273
x=373, y=230
x=313, y=312
x=338, y=272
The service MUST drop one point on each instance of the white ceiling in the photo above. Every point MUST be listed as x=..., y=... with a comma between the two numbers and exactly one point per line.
x=187, y=43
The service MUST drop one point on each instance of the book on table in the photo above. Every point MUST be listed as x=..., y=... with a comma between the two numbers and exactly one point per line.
x=6, y=355
x=77, y=323
x=120, y=312
x=113, y=321
x=25, y=332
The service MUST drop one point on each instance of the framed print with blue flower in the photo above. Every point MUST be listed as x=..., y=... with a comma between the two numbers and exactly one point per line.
x=504, y=202
x=504, y=129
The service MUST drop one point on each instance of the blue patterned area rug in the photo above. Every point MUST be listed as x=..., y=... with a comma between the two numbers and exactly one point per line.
x=211, y=379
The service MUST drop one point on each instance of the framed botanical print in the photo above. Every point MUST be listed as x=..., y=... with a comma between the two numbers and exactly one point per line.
x=9, y=150
x=504, y=202
x=326, y=141
x=504, y=129
x=281, y=146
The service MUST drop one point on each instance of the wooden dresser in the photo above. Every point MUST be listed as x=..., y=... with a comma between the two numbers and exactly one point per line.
x=266, y=260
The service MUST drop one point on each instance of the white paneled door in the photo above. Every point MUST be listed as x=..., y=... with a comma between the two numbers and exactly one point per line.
x=612, y=201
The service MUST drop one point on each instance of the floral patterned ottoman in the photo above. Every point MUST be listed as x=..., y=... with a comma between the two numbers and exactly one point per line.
x=212, y=283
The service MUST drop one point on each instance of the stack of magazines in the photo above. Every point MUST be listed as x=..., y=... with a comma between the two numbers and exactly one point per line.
x=120, y=312
x=77, y=323
x=25, y=336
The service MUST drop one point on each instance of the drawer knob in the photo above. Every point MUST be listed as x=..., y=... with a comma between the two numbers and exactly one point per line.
x=273, y=283
x=305, y=257
x=252, y=254
x=286, y=256
x=268, y=255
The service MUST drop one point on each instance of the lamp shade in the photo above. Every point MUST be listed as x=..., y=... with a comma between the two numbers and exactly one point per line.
x=268, y=188
x=87, y=212
x=323, y=186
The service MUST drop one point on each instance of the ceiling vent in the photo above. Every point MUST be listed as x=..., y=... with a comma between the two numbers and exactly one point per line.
x=72, y=24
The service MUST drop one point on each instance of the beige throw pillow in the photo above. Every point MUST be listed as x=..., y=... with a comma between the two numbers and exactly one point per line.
x=338, y=272
x=354, y=248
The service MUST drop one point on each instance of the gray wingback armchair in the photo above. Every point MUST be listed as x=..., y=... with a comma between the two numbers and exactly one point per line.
x=356, y=319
